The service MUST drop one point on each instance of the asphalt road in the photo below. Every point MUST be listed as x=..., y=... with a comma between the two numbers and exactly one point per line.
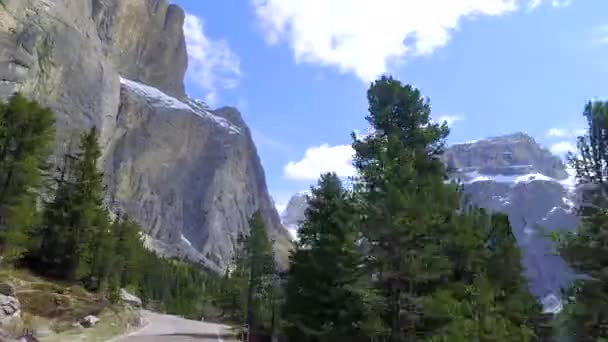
x=162, y=328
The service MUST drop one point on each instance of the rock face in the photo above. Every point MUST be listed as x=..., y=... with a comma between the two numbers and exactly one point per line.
x=130, y=299
x=89, y=321
x=294, y=212
x=10, y=309
x=189, y=175
x=515, y=175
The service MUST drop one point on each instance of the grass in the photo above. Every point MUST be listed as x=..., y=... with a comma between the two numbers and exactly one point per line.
x=113, y=322
x=52, y=308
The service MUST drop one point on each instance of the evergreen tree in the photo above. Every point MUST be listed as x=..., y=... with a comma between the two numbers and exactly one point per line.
x=587, y=249
x=327, y=282
x=232, y=299
x=406, y=204
x=505, y=273
x=431, y=256
x=487, y=298
x=76, y=237
x=26, y=134
x=128, y=251
x=259, y=263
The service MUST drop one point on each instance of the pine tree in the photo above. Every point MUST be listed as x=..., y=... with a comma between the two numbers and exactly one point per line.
x=406, y=204
x=76, y=237
x=259, y=263
x=26, y=136
x=327, y=281
x=587, y=249
x=232, y=299
x=430, y=254
x=505, y=273
x=128, y=250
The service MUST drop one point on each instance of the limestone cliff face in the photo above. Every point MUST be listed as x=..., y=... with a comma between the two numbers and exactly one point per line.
x=190, y=176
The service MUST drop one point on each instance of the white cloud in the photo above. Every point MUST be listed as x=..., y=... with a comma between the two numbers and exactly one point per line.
x=565, y=132
x=366, y=37
x=558, y=132
x=533, y=4
x=212, y=65
x=322, y=159
x=450, y=119
x=563, y=147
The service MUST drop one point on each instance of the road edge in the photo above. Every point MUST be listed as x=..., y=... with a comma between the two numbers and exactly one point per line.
x=143, y=326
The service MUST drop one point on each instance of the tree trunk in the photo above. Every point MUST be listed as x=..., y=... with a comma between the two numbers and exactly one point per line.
x=250, y=313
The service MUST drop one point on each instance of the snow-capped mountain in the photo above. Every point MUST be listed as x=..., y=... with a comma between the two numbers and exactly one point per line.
x=515, y=175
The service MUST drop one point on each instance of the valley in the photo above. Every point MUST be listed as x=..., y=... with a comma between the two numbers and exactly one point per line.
x=136, y=206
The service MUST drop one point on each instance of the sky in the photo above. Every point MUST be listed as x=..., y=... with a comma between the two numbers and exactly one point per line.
x=298, y=70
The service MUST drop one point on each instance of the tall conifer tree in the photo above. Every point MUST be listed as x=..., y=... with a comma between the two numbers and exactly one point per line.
x=328, y=288
x=587, y=249
x=26, y=135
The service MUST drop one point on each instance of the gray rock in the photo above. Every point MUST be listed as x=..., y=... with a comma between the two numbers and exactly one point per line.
x=10, y=309
x=89, y=321
x=130, y=299
x=516, y=175
x=190, y=176
x=294, y=212
x=145, y=40
x=511, y=154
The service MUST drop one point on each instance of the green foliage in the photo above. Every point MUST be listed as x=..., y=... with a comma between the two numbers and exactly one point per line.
x=250, y=290
x=26, y=136
x=76, y=235
x=433, y=257
x=259, y=267
x=328, y=292
x=587, y=249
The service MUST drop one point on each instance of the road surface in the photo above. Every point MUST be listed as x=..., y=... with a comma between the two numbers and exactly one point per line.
x=161, y=328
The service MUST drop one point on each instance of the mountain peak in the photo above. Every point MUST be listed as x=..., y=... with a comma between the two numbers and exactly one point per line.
x=511, y=154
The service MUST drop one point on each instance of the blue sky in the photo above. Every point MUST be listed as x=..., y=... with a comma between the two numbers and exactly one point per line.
x=299, y=69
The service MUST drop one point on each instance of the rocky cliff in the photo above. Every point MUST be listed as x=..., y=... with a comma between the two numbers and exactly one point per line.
x=189, y=175
x=294, y=212
x=515, y=175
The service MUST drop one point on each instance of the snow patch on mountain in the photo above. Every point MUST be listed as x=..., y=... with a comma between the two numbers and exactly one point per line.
x=476, y=176
x=158, y=98
x=184, y=239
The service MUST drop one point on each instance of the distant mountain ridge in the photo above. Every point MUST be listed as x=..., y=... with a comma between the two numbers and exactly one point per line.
x=294, y=212
x=516, y=175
